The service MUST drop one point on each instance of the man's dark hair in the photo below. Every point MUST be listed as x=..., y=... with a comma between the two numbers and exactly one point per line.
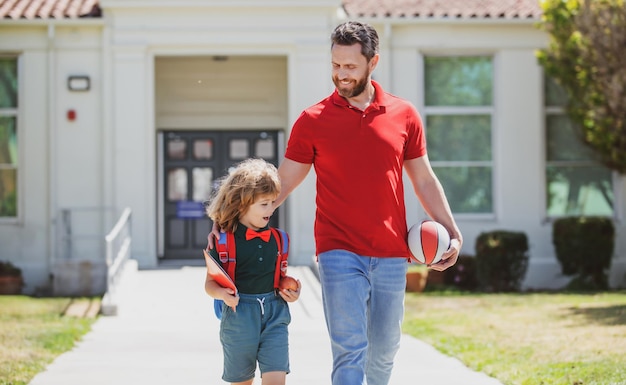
x=353, y=32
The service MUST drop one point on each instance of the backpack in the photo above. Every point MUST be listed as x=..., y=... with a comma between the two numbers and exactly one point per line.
x=226, y=251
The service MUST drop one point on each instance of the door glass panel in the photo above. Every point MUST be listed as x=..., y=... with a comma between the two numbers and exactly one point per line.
x=202, y=227
x=176, y=233
x=176, y=148
x=264, y=148
x=239, y=149
x=177, y=184
x=203, y=149
x=202, y=182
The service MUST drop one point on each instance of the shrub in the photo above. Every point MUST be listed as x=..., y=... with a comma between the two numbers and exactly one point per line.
x=501, y=260
x=584, y=248
x=7, y=269
x=463, y=274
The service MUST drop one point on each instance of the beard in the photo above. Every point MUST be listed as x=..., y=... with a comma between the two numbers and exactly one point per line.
x=351, y=91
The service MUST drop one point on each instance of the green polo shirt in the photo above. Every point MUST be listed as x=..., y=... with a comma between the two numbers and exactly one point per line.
x=256, y=262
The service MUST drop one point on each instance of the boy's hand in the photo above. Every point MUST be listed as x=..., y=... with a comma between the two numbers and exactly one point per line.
x=291, y=295
x=231, y=298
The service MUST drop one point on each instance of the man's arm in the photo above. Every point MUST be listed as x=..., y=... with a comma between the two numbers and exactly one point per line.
x=430, y=193
x=291, y=174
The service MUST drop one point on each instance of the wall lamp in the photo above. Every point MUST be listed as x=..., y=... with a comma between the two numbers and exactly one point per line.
x=78, y=83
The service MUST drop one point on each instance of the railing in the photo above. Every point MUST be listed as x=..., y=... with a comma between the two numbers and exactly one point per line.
x=79, y=232
x=117, y=253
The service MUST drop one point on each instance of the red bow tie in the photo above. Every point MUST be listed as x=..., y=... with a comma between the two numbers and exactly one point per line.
x=264, y=235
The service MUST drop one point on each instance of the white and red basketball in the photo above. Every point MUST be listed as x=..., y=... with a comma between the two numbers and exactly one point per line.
x=428, y=241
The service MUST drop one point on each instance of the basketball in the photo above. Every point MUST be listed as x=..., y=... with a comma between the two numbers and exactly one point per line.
x=428, y=241
x=288, y=283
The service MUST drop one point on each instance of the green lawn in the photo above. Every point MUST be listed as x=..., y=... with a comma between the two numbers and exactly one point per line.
x=527, y=339
x=33, y=332
x=521, y=339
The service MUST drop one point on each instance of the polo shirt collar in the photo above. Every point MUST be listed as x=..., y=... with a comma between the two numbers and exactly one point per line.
x=376, y=103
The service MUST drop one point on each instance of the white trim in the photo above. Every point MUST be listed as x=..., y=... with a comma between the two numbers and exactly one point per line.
x=459, y=110
x=53, y=245
x=108, y=132
x=496, y=201
x=160, y=190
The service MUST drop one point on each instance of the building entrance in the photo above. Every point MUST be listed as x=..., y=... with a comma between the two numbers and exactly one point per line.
x=190, y=165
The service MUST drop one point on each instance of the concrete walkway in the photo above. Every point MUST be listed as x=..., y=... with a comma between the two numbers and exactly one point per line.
x=165, y=333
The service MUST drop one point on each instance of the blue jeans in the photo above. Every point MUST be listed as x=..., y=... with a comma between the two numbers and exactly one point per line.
x=364, y=306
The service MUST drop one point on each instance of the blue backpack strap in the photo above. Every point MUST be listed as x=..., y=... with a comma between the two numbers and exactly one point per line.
x=227, y=253
x=284, y=240
x=222, y=248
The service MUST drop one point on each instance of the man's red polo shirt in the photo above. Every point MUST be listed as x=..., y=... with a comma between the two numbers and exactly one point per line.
x=358, y=158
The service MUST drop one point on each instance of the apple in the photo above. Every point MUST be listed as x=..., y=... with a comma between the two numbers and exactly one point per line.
x=288, y=283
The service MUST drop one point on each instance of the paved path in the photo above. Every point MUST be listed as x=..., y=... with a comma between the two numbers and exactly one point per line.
x=165, y=333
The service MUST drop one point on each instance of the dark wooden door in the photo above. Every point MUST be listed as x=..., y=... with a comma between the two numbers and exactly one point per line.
x=192, y=164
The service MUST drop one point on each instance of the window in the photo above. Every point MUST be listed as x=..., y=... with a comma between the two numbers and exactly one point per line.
x=576, y=183
x=8, y=137
x=458, y=115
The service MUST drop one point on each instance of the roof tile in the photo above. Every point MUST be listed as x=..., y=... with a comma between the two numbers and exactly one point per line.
x=410, y=9
x=48, y=9
x=444, y=9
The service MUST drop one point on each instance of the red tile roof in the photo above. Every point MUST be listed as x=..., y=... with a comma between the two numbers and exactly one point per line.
x=444, y=9
x=409, y=9
x=48, y=9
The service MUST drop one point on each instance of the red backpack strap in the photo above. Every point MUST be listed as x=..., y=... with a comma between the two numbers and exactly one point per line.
x=227, y=252
x=282, y=241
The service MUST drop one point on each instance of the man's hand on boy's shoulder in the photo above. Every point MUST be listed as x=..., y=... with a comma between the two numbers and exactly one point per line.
x=213, y=235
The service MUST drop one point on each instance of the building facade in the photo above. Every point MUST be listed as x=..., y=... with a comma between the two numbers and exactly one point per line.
x=144, y=104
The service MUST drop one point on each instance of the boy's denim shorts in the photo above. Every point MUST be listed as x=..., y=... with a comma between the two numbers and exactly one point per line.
x=257, y=331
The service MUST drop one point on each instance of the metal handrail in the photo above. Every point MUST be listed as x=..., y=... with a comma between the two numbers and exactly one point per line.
x=117, y=253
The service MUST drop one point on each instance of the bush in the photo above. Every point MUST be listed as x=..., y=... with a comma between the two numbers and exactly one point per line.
x=7, y=269
x=501, y=260
x=463, y=274
x=584, y=248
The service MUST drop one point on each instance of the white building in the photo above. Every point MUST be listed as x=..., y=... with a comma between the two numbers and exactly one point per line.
x=142, y=104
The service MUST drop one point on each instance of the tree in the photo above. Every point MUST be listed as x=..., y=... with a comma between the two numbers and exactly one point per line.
x=586, y=56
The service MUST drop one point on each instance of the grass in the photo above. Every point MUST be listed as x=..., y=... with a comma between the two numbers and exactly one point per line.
x=33, y=332
x=520, y=339
x=527, y=339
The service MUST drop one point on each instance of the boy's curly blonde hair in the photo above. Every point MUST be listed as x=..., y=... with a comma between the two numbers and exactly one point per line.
x=245, y=184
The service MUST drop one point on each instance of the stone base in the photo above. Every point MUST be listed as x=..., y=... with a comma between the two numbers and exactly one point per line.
x=76, y=278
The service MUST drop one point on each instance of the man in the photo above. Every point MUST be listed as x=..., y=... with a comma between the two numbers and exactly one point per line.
x=359, y=139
